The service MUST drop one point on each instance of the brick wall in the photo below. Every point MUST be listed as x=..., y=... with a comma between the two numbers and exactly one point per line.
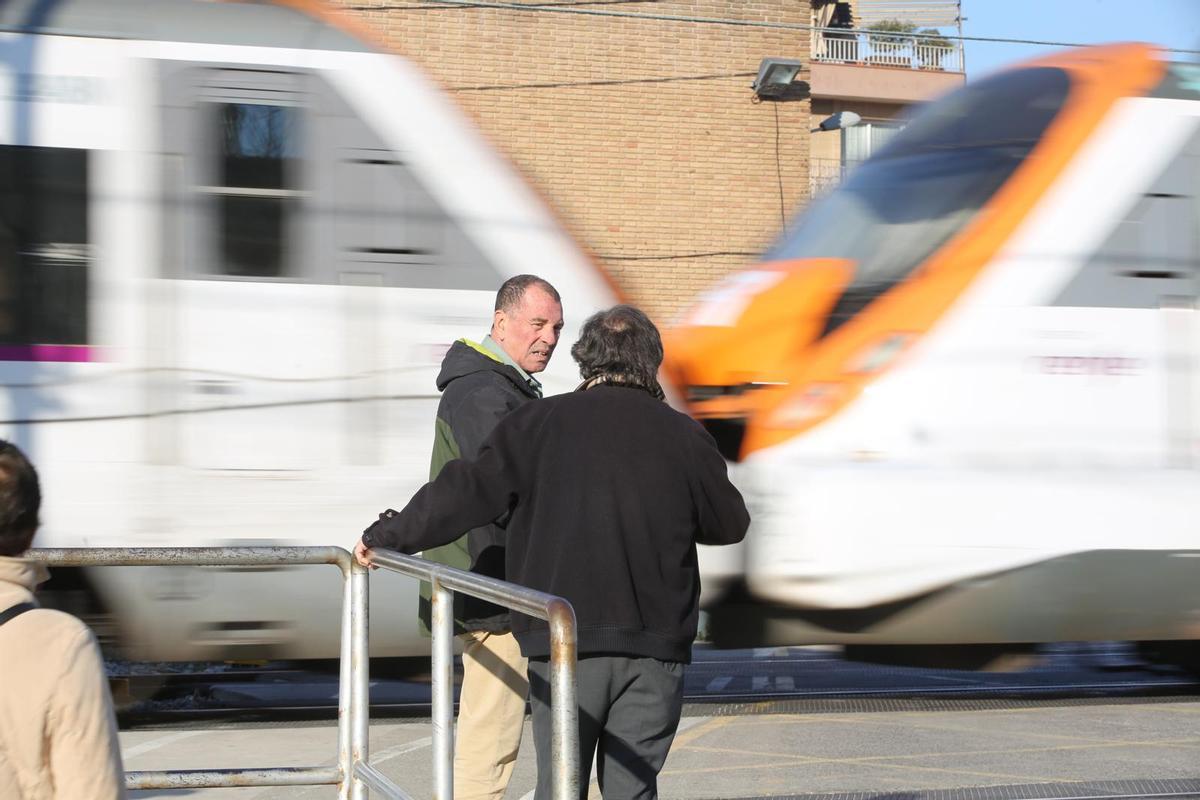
x=643, y=134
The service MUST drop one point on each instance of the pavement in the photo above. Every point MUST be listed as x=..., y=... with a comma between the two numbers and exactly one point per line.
x=835, y=748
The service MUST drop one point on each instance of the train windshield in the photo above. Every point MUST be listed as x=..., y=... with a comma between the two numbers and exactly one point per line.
x=927, y=183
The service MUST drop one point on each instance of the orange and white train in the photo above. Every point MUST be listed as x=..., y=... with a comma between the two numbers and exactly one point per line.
x=962, y=390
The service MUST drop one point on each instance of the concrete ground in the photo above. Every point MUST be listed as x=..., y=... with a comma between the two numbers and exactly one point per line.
x=1023, y=749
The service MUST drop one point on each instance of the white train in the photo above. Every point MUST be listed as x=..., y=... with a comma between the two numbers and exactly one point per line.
x=963, y=389
x=234, y=243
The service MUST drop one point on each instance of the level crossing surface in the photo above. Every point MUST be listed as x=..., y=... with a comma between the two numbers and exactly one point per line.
x=744, y=735
x=1047, y=750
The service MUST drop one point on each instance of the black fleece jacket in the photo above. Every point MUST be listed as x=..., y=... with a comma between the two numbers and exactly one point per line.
x=610, y=490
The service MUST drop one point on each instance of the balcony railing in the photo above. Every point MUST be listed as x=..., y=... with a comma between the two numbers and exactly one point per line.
x=826, y=173
x=847, y=46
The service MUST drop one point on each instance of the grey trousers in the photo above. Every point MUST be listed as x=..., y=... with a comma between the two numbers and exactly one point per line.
x=628, y=712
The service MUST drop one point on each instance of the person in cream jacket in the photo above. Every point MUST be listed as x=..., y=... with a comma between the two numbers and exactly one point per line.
x=58, y=733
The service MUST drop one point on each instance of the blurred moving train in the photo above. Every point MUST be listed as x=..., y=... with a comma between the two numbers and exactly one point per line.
x=963, y=389
x=234, y=243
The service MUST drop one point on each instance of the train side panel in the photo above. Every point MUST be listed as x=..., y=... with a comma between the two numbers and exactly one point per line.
x=272, y=250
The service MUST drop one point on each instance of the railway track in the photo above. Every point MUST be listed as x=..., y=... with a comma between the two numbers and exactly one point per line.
x=784, y=681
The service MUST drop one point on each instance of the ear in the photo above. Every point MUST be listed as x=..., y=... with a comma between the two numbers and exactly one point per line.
x=499, y=322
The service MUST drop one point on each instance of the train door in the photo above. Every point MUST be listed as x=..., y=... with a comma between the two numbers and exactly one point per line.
x=1139, y=288
x=311, y=274
x=256, y=345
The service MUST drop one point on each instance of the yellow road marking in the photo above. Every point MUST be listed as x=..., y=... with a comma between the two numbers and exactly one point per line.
x=681, y=740
x=892, y=761
x=802, y=761
x=703, y=729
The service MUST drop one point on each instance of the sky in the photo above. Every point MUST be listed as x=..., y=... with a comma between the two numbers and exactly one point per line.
x=1170, y=23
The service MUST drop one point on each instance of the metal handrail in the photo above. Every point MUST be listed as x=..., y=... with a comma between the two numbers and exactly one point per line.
x=353, y=708
x=354, y=774
x=564, y=712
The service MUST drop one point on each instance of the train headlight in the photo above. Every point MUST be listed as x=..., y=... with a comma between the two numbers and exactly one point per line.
x=881, y=354
x=819, y=399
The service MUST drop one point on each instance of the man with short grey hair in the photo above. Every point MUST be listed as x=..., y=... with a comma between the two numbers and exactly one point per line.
x=480, y=384
x=609, y=491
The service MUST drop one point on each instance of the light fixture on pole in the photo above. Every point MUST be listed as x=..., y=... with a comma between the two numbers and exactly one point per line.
x=776, y=77
x=842, y=119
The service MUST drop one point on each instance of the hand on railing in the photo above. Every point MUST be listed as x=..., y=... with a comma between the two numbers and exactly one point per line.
x=363, y=555
x=362, y=551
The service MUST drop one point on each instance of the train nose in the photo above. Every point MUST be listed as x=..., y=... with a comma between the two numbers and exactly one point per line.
x=743, y=341
x=750, y=328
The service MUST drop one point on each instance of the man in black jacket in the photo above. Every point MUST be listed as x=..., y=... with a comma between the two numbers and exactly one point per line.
x=480, y=384
x=609, y=490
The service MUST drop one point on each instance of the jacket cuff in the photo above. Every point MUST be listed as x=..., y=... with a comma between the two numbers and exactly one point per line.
x=376, y=534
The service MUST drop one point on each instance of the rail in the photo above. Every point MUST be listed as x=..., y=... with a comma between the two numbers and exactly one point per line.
x=353, y=774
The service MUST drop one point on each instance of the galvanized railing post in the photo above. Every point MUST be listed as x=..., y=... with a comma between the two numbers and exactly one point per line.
x=360, y=676
x=443, y=691
x=345, y=689
x=564, y=709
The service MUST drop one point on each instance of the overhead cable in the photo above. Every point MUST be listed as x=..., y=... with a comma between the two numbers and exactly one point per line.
x=746, y=23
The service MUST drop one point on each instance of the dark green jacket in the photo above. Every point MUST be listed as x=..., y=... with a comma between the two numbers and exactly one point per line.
x=477, y=391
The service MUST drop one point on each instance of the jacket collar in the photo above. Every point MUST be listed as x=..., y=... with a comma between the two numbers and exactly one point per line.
x=613, y=379
x=492, y=348
x=19, y=577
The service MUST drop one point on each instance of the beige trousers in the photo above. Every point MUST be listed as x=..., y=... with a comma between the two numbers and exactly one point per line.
x=491, y=714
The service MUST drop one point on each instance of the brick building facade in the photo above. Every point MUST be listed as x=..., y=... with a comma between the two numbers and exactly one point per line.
x=642, y=133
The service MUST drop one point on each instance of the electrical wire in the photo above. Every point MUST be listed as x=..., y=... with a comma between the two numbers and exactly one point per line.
x=779, y=169
x=570, y=8
x=679, y=256
x=621, y=82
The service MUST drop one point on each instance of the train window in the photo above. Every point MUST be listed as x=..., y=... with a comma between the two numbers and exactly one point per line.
x=44, y=249
x=259, y=150
x=1010, y=110
x=1152, y=254
x=927, y=183
x=295, y=185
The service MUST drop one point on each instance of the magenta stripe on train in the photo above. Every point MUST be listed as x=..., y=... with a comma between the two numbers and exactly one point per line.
x=48, y=352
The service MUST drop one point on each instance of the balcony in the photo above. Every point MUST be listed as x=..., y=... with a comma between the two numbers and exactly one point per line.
x=826, y=173
x=867, y=48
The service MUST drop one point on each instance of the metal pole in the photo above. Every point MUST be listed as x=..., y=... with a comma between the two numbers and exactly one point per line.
x=241, y=778
x=564, y=709
x=360, y=675
x=443, y=691
x=345, y=694
x=962, y=45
